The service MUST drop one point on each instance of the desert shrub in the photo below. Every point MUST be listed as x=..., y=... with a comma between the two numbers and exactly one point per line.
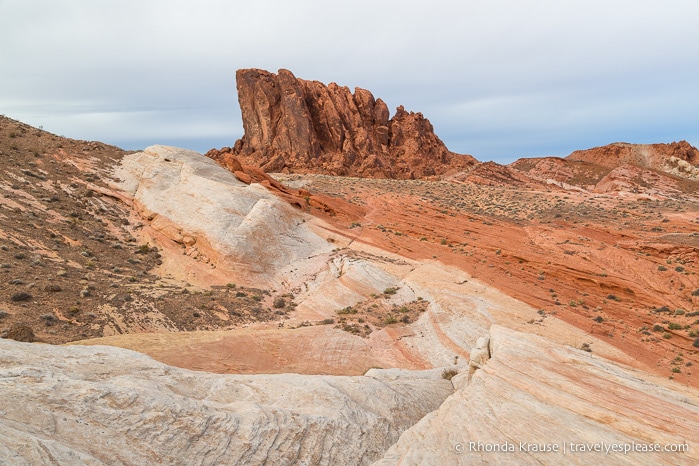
x=586, y=347
x=674, y=326
x=3, y=314
x=346, y=310
x=676, y=370
x=21, y=296
x=49, y=319
x=390, y=320
x=53, y=288
x=240, y=294
x=662, y=268
x=658, y=328
x=390, y=290
x=695, y=292
x=599, y=319
x=448, y=374
x=327, y=322
x=696, y=343
x=279, y=302
x=679, y=312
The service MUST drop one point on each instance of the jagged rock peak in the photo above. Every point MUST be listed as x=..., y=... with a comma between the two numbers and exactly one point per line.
x=295, y=125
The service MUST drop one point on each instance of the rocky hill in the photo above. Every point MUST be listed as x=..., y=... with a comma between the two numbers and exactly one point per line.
x=503, y=305
x=655, y=170
x=299, y=126
x=657, y=156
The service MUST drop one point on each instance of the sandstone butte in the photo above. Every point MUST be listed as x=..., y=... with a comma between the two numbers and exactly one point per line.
x=531, y=295
x=299, y=126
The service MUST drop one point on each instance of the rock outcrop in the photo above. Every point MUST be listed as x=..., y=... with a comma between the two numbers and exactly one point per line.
x=535, y=402
x=105, y=405
x=189, y=202
x=294, y=125
x=677, y=158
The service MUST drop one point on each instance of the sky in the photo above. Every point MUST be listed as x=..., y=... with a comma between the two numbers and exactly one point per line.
x=498, y=79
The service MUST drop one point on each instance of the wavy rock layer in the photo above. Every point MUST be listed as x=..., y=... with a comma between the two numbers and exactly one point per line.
x=189, y=202
x=104, y=405
x=538, y=393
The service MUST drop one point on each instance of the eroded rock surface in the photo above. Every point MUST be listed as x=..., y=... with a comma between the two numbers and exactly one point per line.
x=105, y=405
x=294, y=125
x=643, y=155
x=540, y=393
x=215, y=218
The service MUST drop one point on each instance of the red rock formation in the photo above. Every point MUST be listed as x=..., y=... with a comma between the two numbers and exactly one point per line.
x=642, y=155
x=294, y=125
x=300, y=198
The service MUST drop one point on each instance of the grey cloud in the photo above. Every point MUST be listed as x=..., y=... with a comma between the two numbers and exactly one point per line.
x=497, y=79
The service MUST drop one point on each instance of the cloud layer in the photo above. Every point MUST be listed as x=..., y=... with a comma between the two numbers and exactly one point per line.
x=500, y=79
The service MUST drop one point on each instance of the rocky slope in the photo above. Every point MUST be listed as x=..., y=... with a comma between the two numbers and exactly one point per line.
x=656, y=170
x=542, y=404
x=294, y=125
x=662, y=157
x=576, y=290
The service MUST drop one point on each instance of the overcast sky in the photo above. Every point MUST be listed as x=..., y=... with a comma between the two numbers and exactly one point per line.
x=498, y=79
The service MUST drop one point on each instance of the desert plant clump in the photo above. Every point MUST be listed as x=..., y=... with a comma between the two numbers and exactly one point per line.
x=279, y=302
x=21, y=296
x=390, y=290
x=49, y=319
x=586, y=347
x=390, y=320
x=448, y=374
